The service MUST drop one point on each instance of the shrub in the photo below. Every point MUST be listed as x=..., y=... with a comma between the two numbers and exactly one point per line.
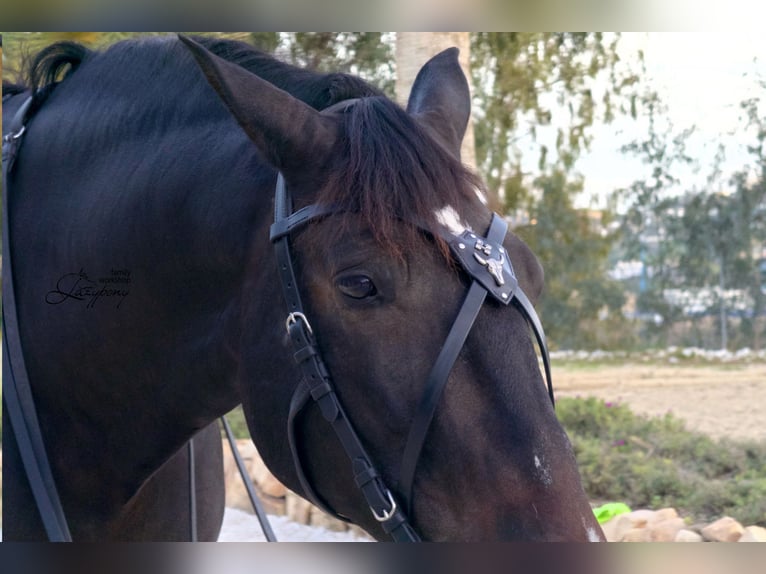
x=655, y=462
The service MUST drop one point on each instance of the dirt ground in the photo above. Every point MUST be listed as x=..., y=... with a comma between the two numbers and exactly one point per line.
x=721, y=400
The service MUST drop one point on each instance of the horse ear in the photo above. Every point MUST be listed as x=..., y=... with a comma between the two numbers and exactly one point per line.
x=440, y=98
x=291, y=134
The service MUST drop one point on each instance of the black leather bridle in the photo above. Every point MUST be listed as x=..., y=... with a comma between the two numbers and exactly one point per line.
x=488, y=265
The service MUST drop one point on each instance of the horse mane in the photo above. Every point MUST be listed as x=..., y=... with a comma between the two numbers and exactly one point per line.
x=54, y=63
x=57, y=61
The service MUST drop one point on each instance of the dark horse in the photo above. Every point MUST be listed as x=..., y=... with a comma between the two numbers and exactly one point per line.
x=149, y=301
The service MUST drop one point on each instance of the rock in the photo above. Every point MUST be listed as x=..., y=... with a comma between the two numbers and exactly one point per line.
x=298, y=509
x=663, y=514
x=324, y=520
x=359, y=532
x=269, y=490
x=637, y=535
x=685, y=535
x=665, y=530
x=754, y=534
x=640, y=518
x=267, y=483
x=725, y=529
x=236, y=495
x=616, y=528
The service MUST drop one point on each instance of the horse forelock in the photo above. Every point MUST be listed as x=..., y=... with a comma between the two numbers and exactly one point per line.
x=391, y=170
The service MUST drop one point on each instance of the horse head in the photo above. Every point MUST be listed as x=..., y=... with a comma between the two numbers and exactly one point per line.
x=382, y=290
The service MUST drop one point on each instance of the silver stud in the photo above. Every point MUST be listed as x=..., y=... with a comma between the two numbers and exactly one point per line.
x=504, y=295
x=461, y=245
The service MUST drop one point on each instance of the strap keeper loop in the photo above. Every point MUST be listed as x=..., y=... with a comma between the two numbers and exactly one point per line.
x=305, y=353
x=366, y=476
x=320, y=390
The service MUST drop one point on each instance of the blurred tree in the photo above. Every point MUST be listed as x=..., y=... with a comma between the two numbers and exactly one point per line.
x=752, y=191
x=650, y=217
x=526, y=81
x=366, y=54
x=580, y=307
x=711, y=239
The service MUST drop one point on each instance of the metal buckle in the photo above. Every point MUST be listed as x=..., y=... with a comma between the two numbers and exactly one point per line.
x=293, y=317
x=9, y=137
x=387, y=514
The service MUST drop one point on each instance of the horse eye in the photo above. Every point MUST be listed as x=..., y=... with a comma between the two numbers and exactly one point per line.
x=357, y=286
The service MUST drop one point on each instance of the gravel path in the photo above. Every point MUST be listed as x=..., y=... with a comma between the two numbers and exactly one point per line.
x=721, y=400
x=240, y=526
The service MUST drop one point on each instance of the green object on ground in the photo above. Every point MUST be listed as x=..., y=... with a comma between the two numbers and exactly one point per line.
x=606, y=512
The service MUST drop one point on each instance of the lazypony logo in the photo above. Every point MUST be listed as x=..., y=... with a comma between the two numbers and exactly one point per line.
x=79, y=287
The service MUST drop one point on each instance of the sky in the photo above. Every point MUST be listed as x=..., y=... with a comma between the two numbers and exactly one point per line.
x=701, y=78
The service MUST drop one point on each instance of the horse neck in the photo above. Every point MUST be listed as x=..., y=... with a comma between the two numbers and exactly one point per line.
x=140, y=378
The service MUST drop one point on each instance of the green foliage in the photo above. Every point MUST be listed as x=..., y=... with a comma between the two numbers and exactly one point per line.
x=522, y=78
x=656, y=462
x=522, y=81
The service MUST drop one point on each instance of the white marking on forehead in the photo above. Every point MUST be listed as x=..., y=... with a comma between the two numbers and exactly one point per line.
x=450, y=218
x=544, y=472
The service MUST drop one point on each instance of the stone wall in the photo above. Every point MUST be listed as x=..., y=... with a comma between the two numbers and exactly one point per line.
x=665, y=525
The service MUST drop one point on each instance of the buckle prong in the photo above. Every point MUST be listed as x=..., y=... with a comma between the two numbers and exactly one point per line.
x=14, y=135
x=388, y=513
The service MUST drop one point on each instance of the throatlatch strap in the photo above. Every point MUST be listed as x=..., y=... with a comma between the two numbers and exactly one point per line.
x=528, y=311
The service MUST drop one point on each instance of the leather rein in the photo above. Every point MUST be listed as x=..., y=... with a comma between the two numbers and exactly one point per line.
x=485, y=260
